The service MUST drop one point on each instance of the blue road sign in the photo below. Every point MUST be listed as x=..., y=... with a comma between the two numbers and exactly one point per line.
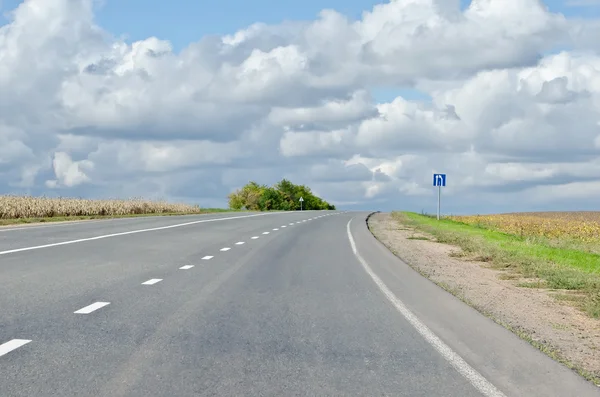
x=439, y=179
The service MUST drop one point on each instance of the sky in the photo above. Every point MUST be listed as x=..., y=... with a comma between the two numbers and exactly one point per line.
x=361, y=100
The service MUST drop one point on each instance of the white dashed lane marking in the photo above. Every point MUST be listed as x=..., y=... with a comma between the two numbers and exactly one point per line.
x=207, y=257
x=12, y=345
x=275, y=229
x=225, y=249
x=265, y=232
x=254, y=237
x=292, y=224
x=91, y=308
x=186, y=267
x=152, y=281
x=239, y=243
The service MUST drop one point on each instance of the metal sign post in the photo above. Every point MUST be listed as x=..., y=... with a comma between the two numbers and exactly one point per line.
x=301, y=200
x=439, y=180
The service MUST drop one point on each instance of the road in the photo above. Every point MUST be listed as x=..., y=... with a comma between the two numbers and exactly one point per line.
x=278, y=304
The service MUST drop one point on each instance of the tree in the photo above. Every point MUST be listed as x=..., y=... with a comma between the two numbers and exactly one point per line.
x=236, y=201
x=284, y=195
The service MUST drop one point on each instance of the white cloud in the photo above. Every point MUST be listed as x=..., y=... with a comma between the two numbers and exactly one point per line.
x=83, y=111
x=315, y=143
x=68, y=173
x=330, y=113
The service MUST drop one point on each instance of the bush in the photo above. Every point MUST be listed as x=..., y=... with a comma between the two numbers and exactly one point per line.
x=283, y=196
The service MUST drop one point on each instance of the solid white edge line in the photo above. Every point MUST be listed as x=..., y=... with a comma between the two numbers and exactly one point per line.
x=207, y=257
x=186, y=267
x=152, y=281
x=91, y=308
x=40, y=225
x=225, y=249
x=12, y=345
x=475, y=378
x=125, y=233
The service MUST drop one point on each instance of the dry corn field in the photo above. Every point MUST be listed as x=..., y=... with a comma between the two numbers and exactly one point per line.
x=14, y=207
x=582, y=226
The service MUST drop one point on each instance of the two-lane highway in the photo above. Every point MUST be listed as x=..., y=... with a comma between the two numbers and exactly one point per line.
x=298, y=303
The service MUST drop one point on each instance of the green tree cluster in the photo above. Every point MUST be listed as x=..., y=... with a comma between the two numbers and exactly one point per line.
x=283, y=196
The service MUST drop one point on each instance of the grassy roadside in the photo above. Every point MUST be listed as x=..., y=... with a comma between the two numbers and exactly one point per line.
x=23, y=221
x=455, y=233
x=573, y=275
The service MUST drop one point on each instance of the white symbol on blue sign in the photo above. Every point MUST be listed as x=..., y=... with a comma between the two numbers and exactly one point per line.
x=439, y=179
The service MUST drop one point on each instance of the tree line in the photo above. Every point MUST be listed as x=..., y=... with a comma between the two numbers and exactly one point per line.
x=284, y=196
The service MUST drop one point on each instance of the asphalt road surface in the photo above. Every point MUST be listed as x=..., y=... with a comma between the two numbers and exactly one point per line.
x=279, y=304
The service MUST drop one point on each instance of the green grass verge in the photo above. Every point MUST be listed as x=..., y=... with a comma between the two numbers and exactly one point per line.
x=19, y=221
x=560, y=268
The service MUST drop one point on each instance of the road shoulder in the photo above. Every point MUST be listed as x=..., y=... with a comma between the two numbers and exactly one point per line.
x=559, y=330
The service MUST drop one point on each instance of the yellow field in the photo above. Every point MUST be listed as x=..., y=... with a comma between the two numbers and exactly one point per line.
x=582, y=226
x=15, y=207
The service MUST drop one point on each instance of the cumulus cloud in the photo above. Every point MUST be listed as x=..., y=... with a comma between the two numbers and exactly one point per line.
x=68, y=172
x=87, y=113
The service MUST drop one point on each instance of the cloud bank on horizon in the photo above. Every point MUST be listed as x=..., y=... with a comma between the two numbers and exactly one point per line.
x=514, y=115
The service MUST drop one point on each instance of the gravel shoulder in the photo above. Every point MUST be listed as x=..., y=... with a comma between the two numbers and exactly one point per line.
x=557, y=328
